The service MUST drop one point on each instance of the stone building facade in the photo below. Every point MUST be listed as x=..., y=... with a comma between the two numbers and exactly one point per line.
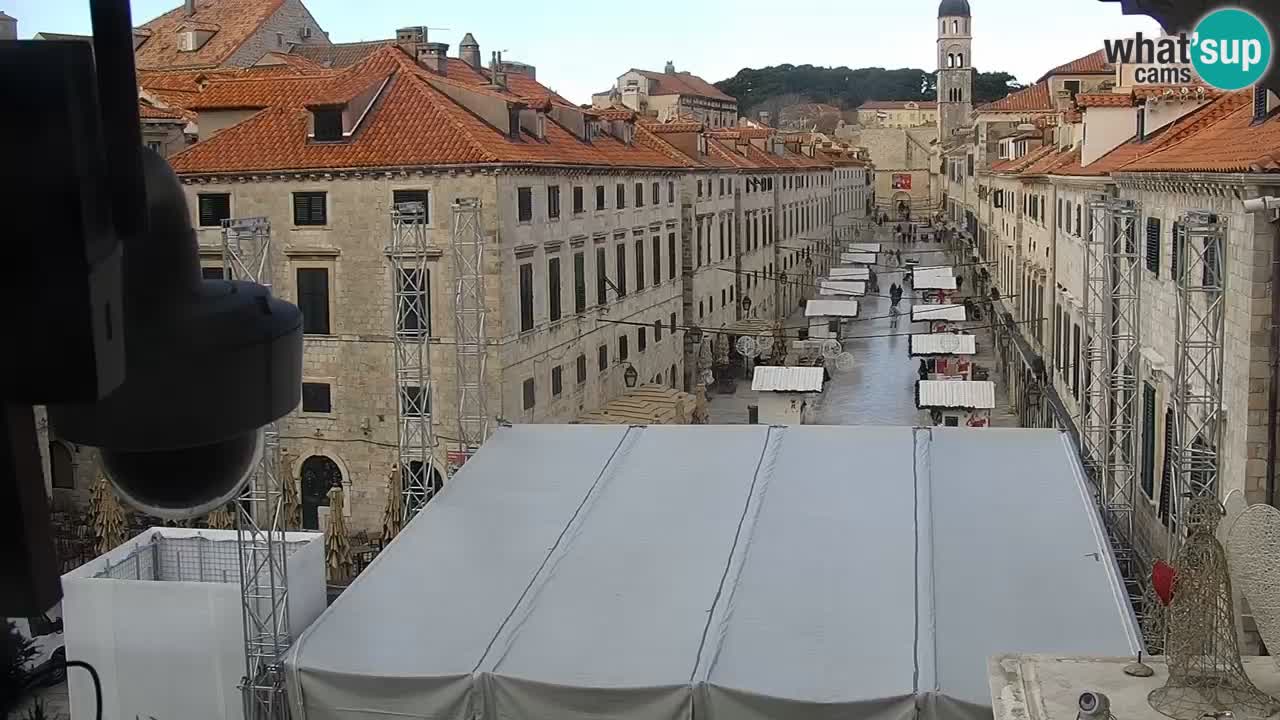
x=211, y=34
x=670, y=95
x=897, y=113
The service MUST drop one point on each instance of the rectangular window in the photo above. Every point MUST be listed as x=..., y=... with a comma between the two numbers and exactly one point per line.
x=721, y=238
x=657, y=260
x=1148, y=440
x=212, y=272
x=671, y=191
x=578, y=201
x=657, y=331
x=526, y=297
x=622, y=348
x=599, y=197
x=553, y=201
x=1075, y=360
x=642, y=339
x=316, y=397
x=671, y=256
x=582, y=369
x=529, y=397
x=1079, y=218
x=214, y=208
x=639, y=265
x=553, y=288
x=310, y=208
x=313, y=300
x=579, y=283
x=413, y=196
x=524, y=204
x=1175, y=253
x=673, y=323
x=620, y=262
x=602, y=358
x=602, y=286
x=621, y=193
x=655, y=195
x=698, y=264
x=328, y=122
x=414, y=313
x=557, y=381
x=1153, y=245
x=639, y=194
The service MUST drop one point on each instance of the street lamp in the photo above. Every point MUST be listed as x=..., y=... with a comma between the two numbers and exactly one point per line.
x=746, y=304
x=630, y=376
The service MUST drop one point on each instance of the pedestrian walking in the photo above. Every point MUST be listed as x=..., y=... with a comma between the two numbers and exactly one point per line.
x=959, y=283
x=923, y=370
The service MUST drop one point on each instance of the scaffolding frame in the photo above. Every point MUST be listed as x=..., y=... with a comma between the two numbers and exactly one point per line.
x=260, y=516
x=470, y=316
x=422, y=473
x=1199, y=363
x=1112, y=311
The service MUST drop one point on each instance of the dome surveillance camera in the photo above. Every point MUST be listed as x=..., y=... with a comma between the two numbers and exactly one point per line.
x=1094, y=705
x=208, y=364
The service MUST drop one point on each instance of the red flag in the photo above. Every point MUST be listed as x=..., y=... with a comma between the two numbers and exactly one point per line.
x=1163, y=577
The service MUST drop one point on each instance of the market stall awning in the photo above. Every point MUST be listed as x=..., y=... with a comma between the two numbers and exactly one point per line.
x=943, y=344
x=842, y=287
x=645, y=405
x=769, y=378
x=831, y=308
x=930, y=313
x=860, y=258
x=859, y=247
x=744, y=572
x=849, y=273
x=965, y=394
x=748, y=326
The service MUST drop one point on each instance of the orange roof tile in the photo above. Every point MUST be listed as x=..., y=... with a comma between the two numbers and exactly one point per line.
x=1221, y=138
x=1095, y=63
x=1193, y=91
x=233, y=23
x=1017, y=165
x=1032, y=99
x=682, y=83
x=339, y=55
x=674, y=127
x=1104, y=99
x=147, y=111
x=411, y=124
x=1049, y=163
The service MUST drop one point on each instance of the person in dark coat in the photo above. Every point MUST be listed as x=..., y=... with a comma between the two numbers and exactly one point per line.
x=923, y=370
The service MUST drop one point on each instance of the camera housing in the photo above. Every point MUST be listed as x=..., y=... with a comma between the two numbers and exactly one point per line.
x=1094, y=704
x=208, y=364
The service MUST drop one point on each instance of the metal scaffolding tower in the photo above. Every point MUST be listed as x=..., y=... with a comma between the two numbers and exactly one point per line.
x=1199, y=362
x=470, y=311
x=411, y=335
x=1112, y=306
x=260, y=517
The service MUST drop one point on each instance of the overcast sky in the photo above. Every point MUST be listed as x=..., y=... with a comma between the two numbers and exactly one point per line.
x=580, y=47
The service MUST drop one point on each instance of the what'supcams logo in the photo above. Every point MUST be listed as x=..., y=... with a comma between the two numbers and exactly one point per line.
x=1230, y=49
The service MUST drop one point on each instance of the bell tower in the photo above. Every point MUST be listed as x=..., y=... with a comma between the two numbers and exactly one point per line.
x=955, y=67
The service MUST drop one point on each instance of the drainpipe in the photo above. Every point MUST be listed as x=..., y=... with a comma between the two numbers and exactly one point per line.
x=1271, y=205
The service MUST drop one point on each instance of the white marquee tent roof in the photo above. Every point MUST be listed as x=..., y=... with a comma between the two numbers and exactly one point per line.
x=722, y=572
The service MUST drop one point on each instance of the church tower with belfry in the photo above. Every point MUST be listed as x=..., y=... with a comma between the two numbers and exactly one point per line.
x=955, y=66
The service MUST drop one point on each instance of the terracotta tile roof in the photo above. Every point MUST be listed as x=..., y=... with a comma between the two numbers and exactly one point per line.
x=339, y=55
x=1017, y=165
x=898, y=105
x=1073, y=116
x=234, y=22
x=1193, y=91
x=286, y=63
x=1050, y=163
x=680, y=126
x=411, y=124
x=1221, y=138
x=682, y=83
x=147, y=111
x=1104, y=99
x=1095, y=63
x=1032, y=99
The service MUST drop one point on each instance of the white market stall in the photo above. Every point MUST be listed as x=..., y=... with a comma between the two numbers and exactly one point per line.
x=946, y=355
x=160, y=618
x=786, y=394
x=826, y=317
x=722, y=572
x=846, y=288
x=941, y=318
x=862, y=247
x=849, y=273
x=956, y=403
x=858, y=258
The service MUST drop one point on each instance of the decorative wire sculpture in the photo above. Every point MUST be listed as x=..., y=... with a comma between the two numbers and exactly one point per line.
x=844, y=362
x=1253, y=547
x=747, y=346
x=831, y=348
x=1155, y=620
x=708, y=378
x=1234, y=505
x=764, y=345
x=1203, y=653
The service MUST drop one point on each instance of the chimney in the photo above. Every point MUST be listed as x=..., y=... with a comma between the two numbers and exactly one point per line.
x=410, y=39
x=435, y=56
x=764, y=118
x=469, y=51
x=497, y=75
x=670, y=69
x=189, y=7
x=8, y=27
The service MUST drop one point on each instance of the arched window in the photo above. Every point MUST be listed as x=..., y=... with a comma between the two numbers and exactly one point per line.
x=319, y=474
x=955, y=26
x=61, y=467
x=951, y=60
x=960, y=60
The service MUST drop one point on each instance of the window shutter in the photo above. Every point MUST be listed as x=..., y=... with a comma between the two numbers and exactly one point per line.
x=1148, y=439
x=1153, y=245
x=1176, y=255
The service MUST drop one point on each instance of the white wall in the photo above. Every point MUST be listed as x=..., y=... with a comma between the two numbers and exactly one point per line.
x=784, y=408
x=171, y=649
x=1105, y=129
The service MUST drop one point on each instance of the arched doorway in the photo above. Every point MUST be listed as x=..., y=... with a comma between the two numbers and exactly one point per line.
x=437, y=480
x=319, y=474
x=61, y=469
